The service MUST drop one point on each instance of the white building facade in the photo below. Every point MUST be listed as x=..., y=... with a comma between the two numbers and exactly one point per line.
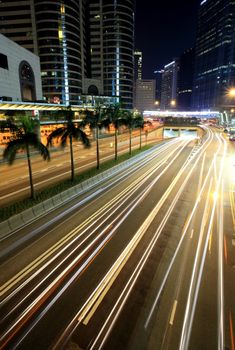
x=20, y=76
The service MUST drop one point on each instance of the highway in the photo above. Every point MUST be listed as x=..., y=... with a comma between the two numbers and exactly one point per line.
x=15, y=184
x=144, y=261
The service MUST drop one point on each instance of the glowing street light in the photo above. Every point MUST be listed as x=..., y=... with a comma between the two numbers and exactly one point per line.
x=232, y=92
x=173, y=103
x=156, y=103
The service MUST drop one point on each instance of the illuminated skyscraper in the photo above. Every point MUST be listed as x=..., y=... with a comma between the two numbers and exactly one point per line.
x=75, y=40
x=169, y=85
x=111, y=28
x=215, y=54
x=54, y=31
x=138, y=65
x=185, y=80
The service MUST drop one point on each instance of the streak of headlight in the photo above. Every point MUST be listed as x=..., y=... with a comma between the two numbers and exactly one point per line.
x=86, y=263
x=86, y=307
x=188, y=311
x=189, y=314
x=180, y=242
x=221, y=274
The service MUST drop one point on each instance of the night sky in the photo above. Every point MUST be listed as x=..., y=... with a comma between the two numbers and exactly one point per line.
x=164, y=29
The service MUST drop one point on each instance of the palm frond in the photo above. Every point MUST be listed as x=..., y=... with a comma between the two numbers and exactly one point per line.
x=43, y=151
x=65, y=137
x=11, y=149
x=82, y=136
x=8, y=125
x=54, y=134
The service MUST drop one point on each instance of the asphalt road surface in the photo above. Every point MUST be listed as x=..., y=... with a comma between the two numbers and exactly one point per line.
x=14, y=183
x=144, y=261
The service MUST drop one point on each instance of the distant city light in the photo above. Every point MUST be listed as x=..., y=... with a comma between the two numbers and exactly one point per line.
x=232, y=92
x=167, y=113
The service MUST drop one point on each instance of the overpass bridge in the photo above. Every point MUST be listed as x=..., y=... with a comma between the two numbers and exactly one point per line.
x=186, y=114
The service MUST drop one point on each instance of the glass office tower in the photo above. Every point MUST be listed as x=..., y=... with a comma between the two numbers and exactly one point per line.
x=111, y=27
x=54, y=30
x=215, y=54
x=59, y=46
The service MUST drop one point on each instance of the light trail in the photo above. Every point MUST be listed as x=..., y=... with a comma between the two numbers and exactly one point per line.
x=187, y=318
x=85, y=264
x=92, y=219
x=133, y=168
x=181, y=240
x=220, y=238
x=231, y=331
x=55, y=177
x=130, y=284
x=196, y=279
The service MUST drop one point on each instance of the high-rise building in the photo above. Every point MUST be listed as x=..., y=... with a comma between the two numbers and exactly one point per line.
x=145, y=94
x=215, y=54
x=169, y=85
x=185, y=80
x=54, y=31
x=158, y=79
x=83, y=45
x=60, y=46
x=138, y=65
x=111, y=28
x=17, y=22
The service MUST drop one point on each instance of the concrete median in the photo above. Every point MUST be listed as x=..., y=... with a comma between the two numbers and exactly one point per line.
x=28, y=215
x=38, y=210
x=5, y=229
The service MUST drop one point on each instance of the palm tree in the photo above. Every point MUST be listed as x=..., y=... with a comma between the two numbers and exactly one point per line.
x=69, y=132
x=139, y=123
x=129, y=121
x=24, y=138
x=96, y=120
x=115, y=116
x=133, y=121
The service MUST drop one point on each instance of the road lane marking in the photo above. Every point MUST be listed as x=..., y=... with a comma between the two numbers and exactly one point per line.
x=196, y=280
x=232, y=206
x=192, y=232
x=186, y=222
x=225, y=250
x=98, y=295
x=231, y=331
x=210, y=243
x=173, y=312
x=159, y=151
x=205, y=180
x=9, y=284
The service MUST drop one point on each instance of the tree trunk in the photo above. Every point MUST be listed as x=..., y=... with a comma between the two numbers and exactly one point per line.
x=97, y=149
x=116, y=130
x=71, y=157
x=30, y=172
x=140, y=138
x=130, y=139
